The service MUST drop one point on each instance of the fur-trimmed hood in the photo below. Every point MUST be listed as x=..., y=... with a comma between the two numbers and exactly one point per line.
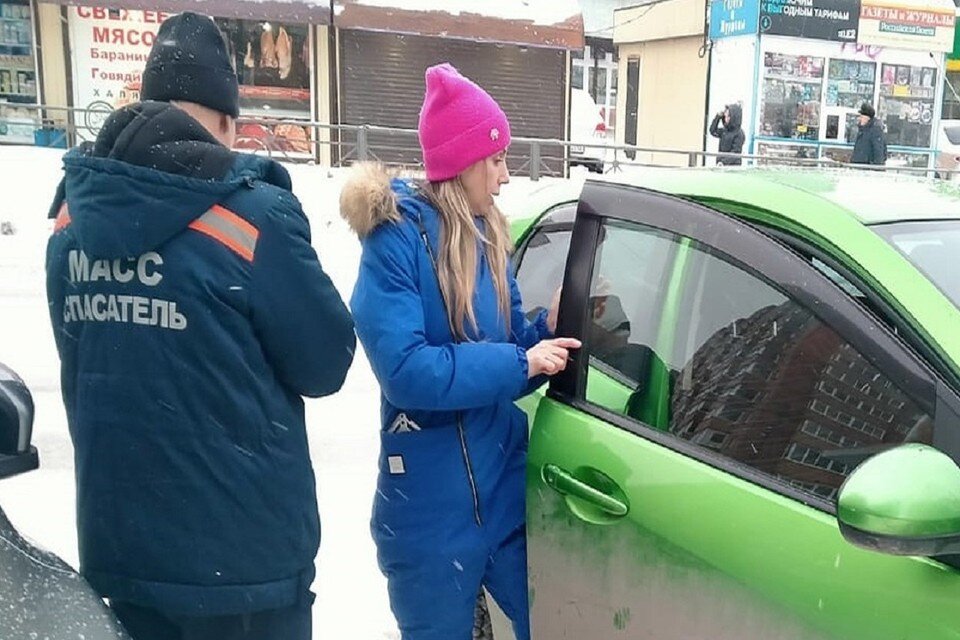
x=367, y=199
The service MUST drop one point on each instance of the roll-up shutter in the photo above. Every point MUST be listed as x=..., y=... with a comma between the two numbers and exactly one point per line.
x=381, y=83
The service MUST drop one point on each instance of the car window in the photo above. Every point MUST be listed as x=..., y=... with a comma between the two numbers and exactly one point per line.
x=629, y=281
x=932, y=247
x=541, y=266
x=732, y=364
x=953, y=134
x=540, y=260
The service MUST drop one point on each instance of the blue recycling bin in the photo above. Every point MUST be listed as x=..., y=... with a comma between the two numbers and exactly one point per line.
x=47, y=136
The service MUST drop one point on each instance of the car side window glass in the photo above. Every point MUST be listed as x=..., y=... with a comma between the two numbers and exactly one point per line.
x=540, y=271
x=730, y=363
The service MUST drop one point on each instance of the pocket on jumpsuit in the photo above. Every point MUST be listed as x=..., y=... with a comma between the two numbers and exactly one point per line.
x=421, y=489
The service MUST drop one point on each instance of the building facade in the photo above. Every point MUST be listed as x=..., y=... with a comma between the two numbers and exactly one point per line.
x=802, y=70
x=662, y=86
x=335, y=62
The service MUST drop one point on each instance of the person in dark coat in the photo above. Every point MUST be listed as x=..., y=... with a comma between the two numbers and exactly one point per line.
x=727, y=127
x=870, y=146
x=191, y=314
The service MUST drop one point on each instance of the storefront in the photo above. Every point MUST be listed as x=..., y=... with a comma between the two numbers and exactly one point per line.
x=109, y=47
x=272, y=42
x=19, y=89
x=296, y=66
x=816, y=63
x=519, y=52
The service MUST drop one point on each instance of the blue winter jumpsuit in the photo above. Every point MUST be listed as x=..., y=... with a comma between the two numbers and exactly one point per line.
x=449, y=511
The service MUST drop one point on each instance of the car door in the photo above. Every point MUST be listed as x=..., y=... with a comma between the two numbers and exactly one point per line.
x=703, y=506
x=540, y=260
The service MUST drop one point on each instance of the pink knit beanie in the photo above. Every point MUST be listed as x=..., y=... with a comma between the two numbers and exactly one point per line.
x=459, y=124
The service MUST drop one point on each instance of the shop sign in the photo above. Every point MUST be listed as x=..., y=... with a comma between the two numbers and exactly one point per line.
x=814, y=19
x=896, y=24
x=729, y=18
x=110, y=49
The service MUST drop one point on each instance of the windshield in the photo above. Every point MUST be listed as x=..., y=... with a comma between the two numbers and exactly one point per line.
x=933, y=247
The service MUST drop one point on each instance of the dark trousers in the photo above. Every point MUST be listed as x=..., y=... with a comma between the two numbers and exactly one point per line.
x=289, y=623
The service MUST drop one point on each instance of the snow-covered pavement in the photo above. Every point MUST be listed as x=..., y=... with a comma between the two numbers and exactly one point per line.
x=351, y=592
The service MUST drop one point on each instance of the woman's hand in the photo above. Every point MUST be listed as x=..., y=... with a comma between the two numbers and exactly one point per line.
x=550, y=356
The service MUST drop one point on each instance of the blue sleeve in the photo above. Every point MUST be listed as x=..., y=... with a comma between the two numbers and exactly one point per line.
x=303, y=325
x=413, y=373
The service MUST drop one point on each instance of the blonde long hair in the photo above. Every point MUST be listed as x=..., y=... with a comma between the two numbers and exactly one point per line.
x=457, y=262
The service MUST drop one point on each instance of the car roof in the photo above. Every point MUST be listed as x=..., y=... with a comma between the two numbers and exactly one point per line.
x=828, y=208
x=872, y=197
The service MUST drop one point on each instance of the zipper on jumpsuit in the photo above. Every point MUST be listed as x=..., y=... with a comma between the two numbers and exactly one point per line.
x=461, y=432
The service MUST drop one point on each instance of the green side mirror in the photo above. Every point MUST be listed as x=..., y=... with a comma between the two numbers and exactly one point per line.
x=905, y=501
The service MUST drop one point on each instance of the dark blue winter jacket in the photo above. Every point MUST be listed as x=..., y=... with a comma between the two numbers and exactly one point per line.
x=870, y=146
x=191, y=314
x=453, y=443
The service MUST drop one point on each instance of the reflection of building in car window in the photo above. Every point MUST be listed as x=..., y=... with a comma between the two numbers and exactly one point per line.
x=793, y=399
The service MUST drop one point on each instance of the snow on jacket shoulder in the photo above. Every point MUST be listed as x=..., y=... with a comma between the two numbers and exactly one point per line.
x=400, y=313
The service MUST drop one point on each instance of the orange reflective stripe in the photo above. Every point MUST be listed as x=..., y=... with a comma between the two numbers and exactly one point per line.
x=228, y=228
x=201, y=226
x=63, y=217
x=234, y=219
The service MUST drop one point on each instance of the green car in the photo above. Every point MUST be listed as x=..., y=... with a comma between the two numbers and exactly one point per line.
x=758, y=437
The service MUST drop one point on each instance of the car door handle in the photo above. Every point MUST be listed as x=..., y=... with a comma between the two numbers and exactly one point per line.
x=563, y=482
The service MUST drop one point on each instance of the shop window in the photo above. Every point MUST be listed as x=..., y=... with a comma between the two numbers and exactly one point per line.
x=850, y=83
x=273, y=65
x=18, y=72
x=778, y=152
x=598, y=86
x=951, y=96
x=907, y=104
x=906, y=159
x=576, y=76
x=18, y=80
x=792, y=92
x=838, y=154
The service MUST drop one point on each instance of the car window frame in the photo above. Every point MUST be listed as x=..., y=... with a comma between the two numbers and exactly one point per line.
x=762, y=256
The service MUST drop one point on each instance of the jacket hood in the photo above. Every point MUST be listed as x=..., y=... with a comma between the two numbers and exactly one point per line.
x=151, y=172
x=736, y=116
x=369, y=198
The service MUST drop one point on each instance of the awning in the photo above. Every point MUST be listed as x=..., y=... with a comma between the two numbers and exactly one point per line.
x=925, y=25
x=295, y=11
x=545, y=23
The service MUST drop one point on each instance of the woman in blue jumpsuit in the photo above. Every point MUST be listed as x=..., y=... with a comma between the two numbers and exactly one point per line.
x=439, y=315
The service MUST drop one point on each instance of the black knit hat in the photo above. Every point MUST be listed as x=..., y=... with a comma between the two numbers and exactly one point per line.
x=189, y=61
x=867, y=110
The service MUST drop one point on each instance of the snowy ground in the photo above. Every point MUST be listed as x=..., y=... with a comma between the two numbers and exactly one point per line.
x=351, y=592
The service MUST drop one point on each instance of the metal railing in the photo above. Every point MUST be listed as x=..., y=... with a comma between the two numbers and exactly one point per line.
x=305, y=141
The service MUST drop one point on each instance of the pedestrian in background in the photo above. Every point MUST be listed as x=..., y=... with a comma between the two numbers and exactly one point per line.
x=727, y=127
x=870, y=146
